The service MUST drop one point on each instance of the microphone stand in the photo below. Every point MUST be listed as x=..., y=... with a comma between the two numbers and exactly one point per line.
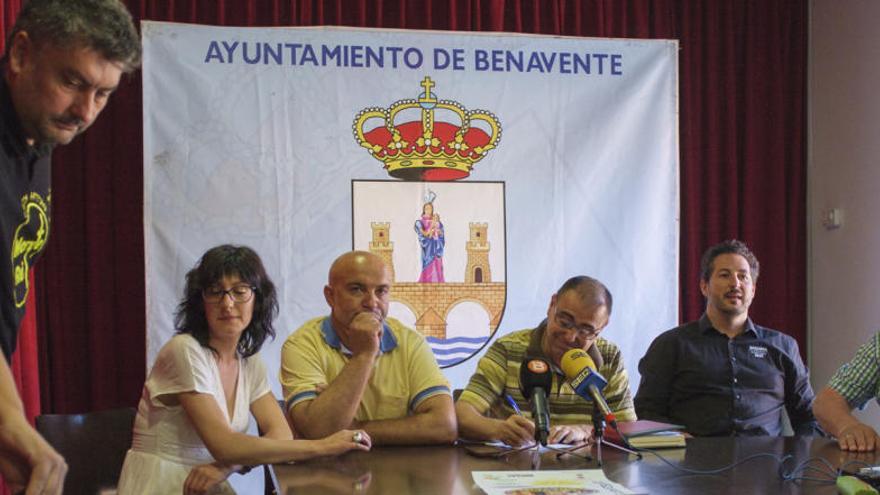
x=599, y=436
x=572, y=451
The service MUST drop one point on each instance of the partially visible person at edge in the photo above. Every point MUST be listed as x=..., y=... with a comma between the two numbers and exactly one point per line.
x=723, y=374
x=852, y=386
x=63, y=60
x=577, y=314
x=190, y=430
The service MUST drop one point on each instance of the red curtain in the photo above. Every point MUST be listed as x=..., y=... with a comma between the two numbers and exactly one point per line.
x=742, y=138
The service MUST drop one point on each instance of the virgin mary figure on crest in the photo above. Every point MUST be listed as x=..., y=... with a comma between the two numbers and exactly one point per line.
x=432, y=241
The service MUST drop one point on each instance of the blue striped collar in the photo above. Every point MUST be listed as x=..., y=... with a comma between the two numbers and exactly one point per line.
x=387, y=343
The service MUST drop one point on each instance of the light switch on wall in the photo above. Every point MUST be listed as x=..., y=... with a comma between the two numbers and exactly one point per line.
x=832, y=218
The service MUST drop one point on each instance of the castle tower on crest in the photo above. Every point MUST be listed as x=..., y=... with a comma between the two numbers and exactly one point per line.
x=381, y=244
x=477, y=270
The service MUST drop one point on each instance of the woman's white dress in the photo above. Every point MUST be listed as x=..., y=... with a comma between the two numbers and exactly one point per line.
x=166, y=445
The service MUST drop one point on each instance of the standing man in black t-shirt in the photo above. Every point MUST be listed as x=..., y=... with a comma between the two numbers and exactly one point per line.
x=63, y=60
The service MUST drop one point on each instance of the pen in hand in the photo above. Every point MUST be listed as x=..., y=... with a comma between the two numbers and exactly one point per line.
x=523, y=442
x=512, y=403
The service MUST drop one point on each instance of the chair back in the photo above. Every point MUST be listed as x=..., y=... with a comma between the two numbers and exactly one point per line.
x=93, y=444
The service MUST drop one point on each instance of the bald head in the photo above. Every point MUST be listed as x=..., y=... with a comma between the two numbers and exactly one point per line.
x=358, y=282
x=355, y=261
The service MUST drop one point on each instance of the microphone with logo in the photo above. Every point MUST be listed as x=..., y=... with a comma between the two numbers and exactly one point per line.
x=535, y=380
x=580, y=370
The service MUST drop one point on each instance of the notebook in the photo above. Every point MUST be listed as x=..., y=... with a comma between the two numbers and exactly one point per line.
x=646, y=434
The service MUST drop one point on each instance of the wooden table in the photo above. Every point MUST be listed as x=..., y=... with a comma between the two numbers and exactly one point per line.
x=447, y=470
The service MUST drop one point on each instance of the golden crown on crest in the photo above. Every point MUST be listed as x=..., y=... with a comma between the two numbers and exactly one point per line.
x=426, y=149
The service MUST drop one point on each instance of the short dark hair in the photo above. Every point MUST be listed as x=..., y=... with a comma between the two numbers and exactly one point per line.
x=590, y=290
x=730, y=246
x=105, y=26
x=219, y=262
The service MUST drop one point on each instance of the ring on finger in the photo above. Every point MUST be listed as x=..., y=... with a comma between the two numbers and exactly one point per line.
x=357, y=437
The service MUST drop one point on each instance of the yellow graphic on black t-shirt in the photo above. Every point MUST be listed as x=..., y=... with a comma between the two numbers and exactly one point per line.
x=29, y=239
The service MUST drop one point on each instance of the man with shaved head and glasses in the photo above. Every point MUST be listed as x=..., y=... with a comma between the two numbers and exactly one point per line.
x=577, y=314
x=724, y=375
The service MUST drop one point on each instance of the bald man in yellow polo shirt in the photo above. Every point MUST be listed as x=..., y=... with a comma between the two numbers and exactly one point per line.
x=358, y=369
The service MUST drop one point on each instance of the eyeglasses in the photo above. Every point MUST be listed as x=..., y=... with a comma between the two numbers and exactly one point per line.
x=238, y=293
x=565, y=321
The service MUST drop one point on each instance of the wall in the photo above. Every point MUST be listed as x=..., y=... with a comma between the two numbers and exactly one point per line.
x=844, y=148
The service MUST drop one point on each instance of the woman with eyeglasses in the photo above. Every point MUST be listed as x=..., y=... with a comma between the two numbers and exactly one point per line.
x=190, y=431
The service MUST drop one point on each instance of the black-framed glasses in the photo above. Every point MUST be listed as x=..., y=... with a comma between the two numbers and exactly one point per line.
x=239, y=293
x=565, y=321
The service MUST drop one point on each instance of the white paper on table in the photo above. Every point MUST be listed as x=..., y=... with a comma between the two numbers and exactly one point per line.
x=541, y=448
x=556, y=482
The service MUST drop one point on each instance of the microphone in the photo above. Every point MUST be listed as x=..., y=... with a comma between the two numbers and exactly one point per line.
x=535, y=381
x=580, y=370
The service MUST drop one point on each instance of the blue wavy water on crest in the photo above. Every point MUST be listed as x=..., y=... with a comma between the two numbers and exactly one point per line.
x=455, y=350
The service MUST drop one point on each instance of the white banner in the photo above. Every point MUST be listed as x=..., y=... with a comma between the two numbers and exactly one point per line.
x=540, y=157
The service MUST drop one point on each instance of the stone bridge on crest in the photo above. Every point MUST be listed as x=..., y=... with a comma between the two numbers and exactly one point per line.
x=431, y=303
